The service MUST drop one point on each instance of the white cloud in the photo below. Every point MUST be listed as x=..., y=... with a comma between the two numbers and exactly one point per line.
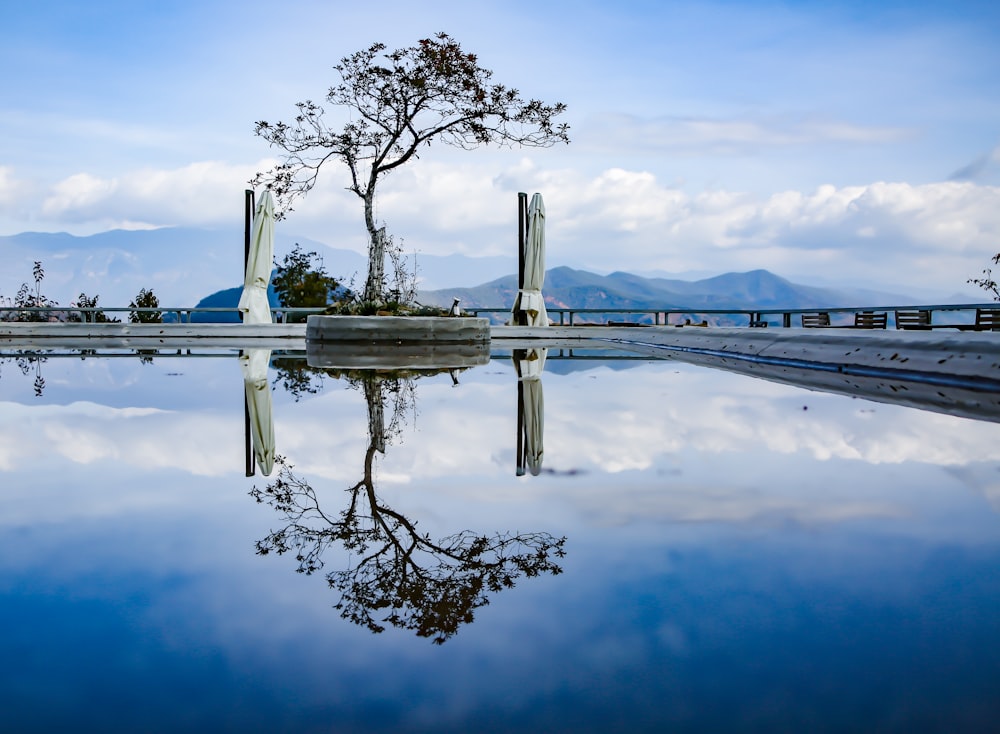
x=929, y=236
x=199, y=194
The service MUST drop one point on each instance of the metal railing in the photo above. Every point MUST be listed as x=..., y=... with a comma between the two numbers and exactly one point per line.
x=169, y=315
x=662, y=316
x=783, y=317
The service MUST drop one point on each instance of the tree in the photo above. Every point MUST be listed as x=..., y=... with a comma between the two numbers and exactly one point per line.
x=302, y=280
x=400, y=101
x=987, y=283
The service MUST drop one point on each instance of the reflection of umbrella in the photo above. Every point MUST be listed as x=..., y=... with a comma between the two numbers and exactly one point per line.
x=531, y=409
x=253, y=363
x=529, y=298
x=253, y=302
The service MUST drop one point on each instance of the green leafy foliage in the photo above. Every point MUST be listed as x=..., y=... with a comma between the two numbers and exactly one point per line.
x=31, y=298
x=301, y=280
x=97, y=317
x=145, y=299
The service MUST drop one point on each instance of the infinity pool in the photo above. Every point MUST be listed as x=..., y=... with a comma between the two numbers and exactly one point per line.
x=695, y=550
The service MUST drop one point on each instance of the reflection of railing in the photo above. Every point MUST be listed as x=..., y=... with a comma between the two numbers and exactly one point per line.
x=119, y=354
x=608, y=354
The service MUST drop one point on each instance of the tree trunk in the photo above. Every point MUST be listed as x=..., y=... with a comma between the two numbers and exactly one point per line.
x=376, y=414
x=375, y=283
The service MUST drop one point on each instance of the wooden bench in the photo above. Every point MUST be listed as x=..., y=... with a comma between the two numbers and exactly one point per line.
x=862, y=320
x=870, y=320
x=987, y=319
x=815, y=320
x=919, y=319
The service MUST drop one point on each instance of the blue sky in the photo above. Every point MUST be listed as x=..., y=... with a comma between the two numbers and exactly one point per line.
x=825, y=141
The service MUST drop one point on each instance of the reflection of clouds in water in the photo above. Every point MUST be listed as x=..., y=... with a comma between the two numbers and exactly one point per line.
x=688, y=445
x=201, y=443
x=658, y=448
x=707, y=411
x=600, y=421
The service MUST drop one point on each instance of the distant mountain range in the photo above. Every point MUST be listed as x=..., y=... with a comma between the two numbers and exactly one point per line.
x=182, y=265
x=569, y=288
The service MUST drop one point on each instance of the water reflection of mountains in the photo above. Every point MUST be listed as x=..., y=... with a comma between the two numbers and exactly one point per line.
x=569, y=361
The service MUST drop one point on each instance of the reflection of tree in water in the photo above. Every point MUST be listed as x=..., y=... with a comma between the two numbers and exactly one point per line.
x=146, y=355
x=401, y=577
x=296, y=377
x=28, y=363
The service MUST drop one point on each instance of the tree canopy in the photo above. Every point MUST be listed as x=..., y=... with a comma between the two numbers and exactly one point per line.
x=400, y=101
x=301, y=280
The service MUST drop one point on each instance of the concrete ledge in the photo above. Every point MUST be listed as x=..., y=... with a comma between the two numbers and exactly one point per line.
x=956, y=373
x=42, y=330
x=397, y=329
x=969, y=354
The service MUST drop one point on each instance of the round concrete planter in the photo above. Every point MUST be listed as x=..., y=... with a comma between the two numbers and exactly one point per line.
x=397, y=330
x=397, y=342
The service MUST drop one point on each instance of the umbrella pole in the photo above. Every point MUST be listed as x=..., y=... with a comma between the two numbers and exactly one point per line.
x=520, y=429
x=247, y=225
x=517, y=355
x=520, y=317
x=247, y=442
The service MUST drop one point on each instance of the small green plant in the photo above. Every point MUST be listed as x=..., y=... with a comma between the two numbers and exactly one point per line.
x=97, y=317
x=28, y=298
x=145, y=300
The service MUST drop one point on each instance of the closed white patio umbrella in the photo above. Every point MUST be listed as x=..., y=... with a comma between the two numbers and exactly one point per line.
x=253, y=301
x=529, y=298
x=531, y=409
x=253, y=364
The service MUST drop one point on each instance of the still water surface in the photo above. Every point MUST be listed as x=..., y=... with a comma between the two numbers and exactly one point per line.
x=699, y=551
